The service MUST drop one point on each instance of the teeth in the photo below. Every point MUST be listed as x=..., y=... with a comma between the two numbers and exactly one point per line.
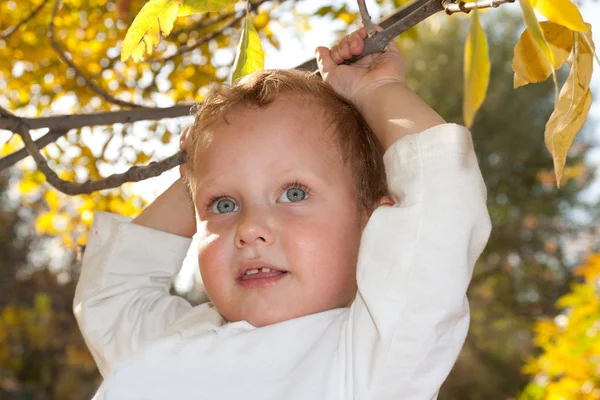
x=252, y=272
x=266, y=269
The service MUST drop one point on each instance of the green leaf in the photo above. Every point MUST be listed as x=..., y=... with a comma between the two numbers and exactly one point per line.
x=476, y=70
x=250, y=56
x=190, y=7
x=155, y=18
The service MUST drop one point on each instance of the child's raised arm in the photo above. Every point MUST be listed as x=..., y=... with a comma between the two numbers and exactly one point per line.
x=411, y=315
x=122, y=300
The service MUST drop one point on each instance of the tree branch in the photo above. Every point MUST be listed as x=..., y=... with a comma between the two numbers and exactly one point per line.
x=42, y=142
x=366, y=18
x=67, y=122
x=400, y=21
x=186, y=48
x=466, y=7
x=133, y=174
x=61, y=53
x=9, y=31
x=61, y=124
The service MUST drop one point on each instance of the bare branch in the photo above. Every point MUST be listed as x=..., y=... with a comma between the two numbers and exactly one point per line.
x=413, y=13
x=133, y=174
x=400, y=21
x=366, y=18
x=204, y=23
x=61, y=124
x=186, y=48
x=466, y=7
x=9, y=31
x=61, y=53
x=67, y=122
x=18, y=155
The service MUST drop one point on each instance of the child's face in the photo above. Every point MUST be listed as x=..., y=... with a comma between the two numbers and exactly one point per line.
x=261, y=218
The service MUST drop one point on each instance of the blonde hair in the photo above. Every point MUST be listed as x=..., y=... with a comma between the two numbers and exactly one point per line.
x=359, y=148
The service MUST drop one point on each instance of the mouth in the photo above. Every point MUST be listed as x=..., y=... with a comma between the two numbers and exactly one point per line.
x=259, y=272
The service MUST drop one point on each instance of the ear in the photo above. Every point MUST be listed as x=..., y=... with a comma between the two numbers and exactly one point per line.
x=383, y=201
x=386, y=201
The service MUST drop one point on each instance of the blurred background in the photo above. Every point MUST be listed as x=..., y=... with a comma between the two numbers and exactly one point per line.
x=535, y=300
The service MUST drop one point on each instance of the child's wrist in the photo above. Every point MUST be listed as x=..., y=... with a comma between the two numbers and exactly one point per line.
x=393, y=111
x=172, y=212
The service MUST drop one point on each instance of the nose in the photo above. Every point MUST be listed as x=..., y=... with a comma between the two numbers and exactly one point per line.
x=253, y=230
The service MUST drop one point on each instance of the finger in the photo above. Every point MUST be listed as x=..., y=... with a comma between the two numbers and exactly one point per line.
x=183, y=138
x=324, y=60
x=356, y=44
x=335, y=54
x=344, y=46
x=362, y=32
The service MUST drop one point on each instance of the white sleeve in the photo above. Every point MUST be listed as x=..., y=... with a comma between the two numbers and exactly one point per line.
x=410, y=317
x=122, y=299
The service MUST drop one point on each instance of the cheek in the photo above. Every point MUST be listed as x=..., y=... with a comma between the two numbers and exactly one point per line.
x=324, y=244
x=213, y=256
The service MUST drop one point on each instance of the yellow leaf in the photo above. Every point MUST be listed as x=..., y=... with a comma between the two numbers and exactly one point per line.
x=155, y=18
x=476, y=70
x=538, y=37
x=27, y=186
x=261, y=20
x=530, y=63
x=250, y=56
x=190, y=7
x=44, y=223
x=52, y=199
x=562, y=12
x=571, y=110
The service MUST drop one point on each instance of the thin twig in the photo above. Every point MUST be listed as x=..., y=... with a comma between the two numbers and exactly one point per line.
x=133, y=174
x=366, y=18
x=67, y=122
x=9, y=31
x=61, y=53
x=186, y=48
x=40, y=143
x=203, y=23
x=466, y=7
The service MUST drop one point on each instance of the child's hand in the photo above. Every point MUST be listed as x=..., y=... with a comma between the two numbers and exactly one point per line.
x=375, y=84
x=173, y=211
x=183, y=140
x=353, y=81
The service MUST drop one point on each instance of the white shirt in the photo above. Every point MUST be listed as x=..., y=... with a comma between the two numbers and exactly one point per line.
x=398, y=340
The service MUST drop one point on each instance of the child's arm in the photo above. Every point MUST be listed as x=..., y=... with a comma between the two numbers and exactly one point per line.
x=122, y=299
x=411, y=315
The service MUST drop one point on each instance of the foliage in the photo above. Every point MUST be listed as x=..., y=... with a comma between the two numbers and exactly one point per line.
x=569, y=364
x=42, y=354
x=572, y=104
x=476, y=70
x=524, y=268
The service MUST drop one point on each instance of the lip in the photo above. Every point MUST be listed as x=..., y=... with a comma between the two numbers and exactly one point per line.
x=258, y=283
x=255, y=264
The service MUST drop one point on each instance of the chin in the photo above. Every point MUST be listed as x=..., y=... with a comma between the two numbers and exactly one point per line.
x=267, y=319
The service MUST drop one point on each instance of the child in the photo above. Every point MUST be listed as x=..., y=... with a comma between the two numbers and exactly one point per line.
x=287, y=183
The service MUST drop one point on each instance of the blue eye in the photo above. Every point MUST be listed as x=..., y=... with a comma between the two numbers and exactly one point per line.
x=223, y=206
x=293, y=195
